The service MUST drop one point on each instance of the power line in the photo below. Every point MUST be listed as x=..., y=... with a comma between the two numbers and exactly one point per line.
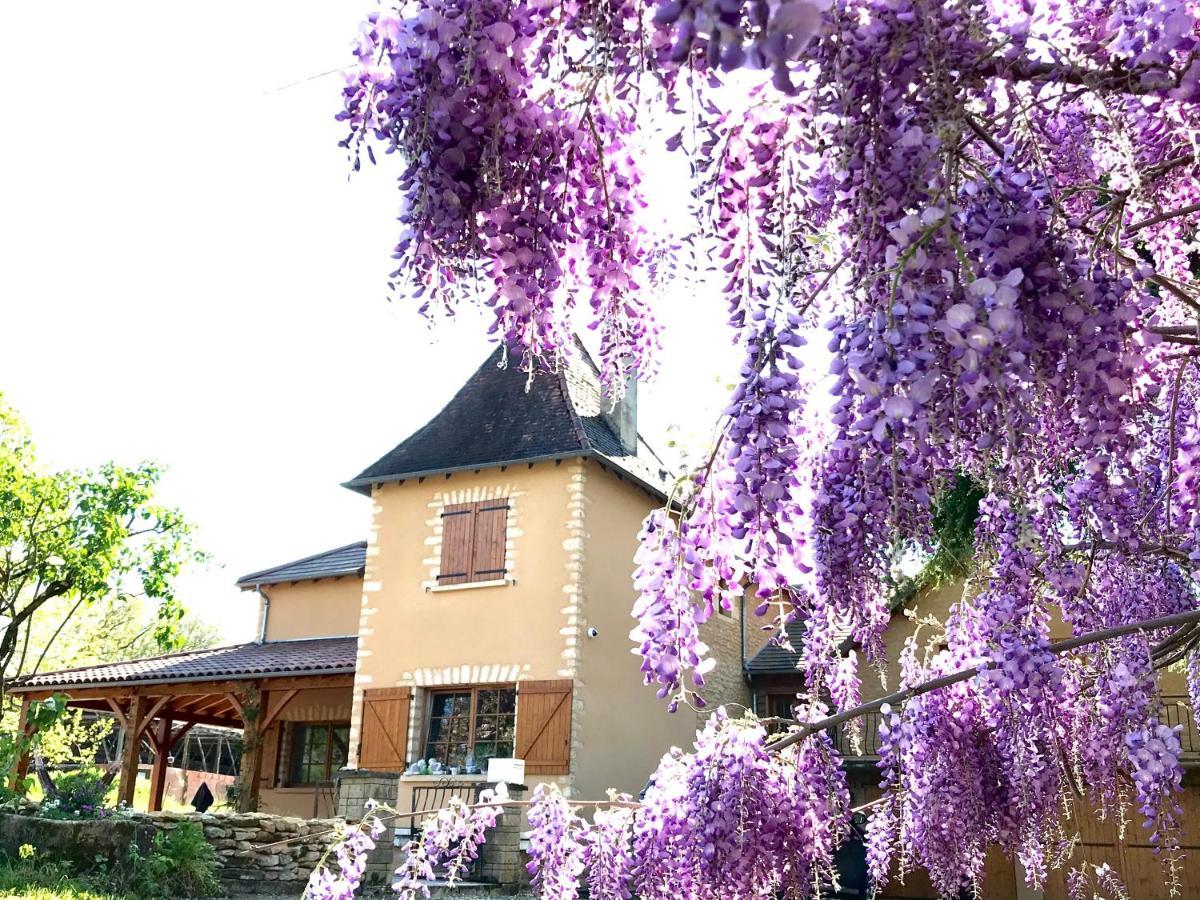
x=306, y=80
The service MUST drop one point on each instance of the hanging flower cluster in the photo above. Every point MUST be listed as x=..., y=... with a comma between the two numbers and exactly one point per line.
x=449, y=842
x=608, y=856
x=993, y=209
x=339, y=878
x=504, y=180
x=733, y=819
x=555, y=849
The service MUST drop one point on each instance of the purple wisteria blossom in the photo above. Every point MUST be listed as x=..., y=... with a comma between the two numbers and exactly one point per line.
x=988, y=215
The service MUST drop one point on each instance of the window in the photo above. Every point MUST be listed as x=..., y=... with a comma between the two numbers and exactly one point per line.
x=780, y=706
x=473, y=536
x=480, y=721
x=318, y=751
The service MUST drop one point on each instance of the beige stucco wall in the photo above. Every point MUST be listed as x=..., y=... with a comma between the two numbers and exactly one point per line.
x=327, y=607
x=1135, y=861
x=302, y=802
x=623, y=729
x=322, y=705
x=936, y=603
x=413, y=635
x=572, y=534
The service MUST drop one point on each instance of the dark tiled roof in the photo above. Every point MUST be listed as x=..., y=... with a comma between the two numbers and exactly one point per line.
x=319, y=655
x=502, y=416
x=775, y=659
x=348, y=560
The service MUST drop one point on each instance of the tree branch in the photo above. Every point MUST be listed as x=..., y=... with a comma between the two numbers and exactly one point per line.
x=1144, y=80
x=984, y=136
x=1163, y=167
x=902, y=696
x=1163, y=217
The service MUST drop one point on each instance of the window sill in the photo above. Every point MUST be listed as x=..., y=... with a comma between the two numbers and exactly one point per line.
x=434, y=779
x=441, y=588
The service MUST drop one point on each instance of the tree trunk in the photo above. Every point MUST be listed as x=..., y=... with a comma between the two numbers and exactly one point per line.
x=253, y=704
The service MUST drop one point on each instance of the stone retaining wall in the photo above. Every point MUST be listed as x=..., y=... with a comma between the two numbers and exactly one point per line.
x=85, y=843
x=257, y=853
x=250, y=856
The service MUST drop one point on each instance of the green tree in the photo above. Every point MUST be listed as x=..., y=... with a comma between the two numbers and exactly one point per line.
x=66, y=634
x=77, y=537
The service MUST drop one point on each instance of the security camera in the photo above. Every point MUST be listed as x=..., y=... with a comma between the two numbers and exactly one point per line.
x=593, y=632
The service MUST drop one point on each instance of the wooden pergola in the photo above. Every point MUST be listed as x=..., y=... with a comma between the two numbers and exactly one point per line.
x=160, y=699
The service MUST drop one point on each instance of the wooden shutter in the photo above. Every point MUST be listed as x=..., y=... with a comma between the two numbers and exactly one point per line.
x=473, y=542
x=487, y=559
x=458, y=533
x=384, y=742
x=544, y=726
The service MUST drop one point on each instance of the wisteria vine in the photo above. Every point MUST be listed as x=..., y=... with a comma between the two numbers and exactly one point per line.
x=991, y=210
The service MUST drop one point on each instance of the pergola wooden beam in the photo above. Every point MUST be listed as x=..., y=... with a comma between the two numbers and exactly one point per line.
x=236, y=703
x=217, y=721
x=188, y=688
x=268, y=718
x=118, y=712
x=203, y=706
x=154, y=710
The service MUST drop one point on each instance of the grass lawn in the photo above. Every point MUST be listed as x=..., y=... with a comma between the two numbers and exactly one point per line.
x=35, y=884
x=67, y=892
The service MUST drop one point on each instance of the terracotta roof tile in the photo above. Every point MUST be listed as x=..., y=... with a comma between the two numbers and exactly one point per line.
x=319, y=655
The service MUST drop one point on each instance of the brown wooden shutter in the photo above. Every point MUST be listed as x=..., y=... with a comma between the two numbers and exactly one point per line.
x=544, y=726
x=473, y=542
x=458, y=531
x=384, y=743
x=487, y=560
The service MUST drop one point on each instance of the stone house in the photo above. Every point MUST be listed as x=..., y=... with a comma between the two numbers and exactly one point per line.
x=486, y=615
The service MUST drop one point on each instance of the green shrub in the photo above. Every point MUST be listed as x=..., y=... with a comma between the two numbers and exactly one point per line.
x=181, y=864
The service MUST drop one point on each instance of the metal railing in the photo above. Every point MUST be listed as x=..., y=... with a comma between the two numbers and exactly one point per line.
x=868, y=730
x=1177, y=710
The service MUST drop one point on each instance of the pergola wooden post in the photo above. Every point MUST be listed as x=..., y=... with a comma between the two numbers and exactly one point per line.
x=250, y=702
x=160, y=739
x=253, y=704
x=163, y=740
x=132, y=722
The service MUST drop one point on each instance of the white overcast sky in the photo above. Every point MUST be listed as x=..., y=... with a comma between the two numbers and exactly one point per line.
x=187, y=275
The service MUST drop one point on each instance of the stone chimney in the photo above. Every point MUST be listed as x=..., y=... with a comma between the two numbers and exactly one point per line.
x=622, y=416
